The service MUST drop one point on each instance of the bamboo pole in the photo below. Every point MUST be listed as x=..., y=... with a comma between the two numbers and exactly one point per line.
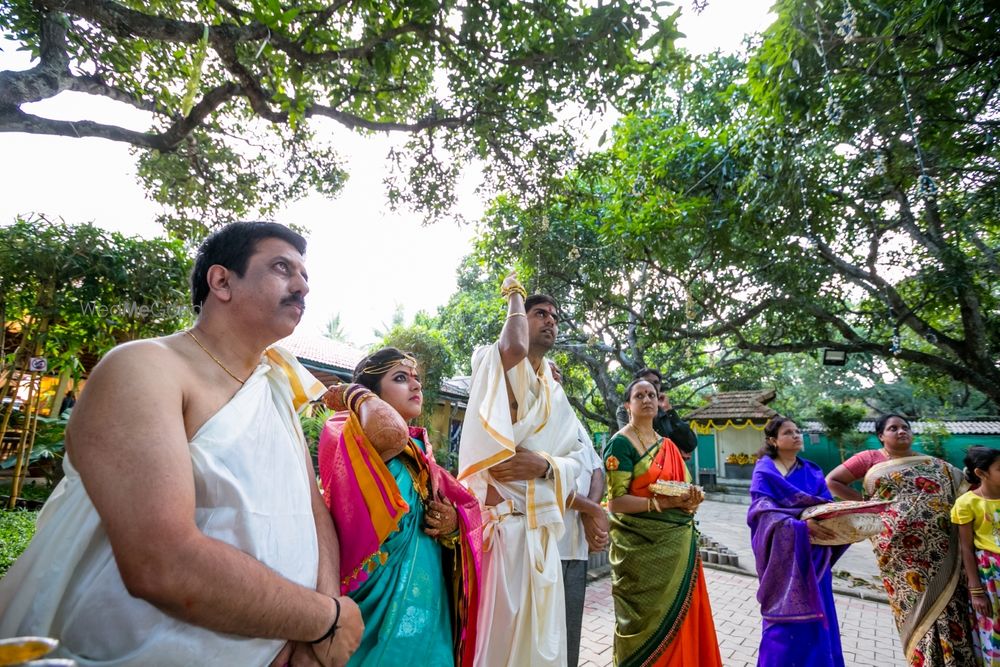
x=3, y=334
x=13, y=378
x=10, y=389
x=31, y=414
x=34, y=430
x=23, y=453
x=61, y=391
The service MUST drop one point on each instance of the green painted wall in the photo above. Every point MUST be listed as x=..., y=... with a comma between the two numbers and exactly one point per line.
x=825, y=454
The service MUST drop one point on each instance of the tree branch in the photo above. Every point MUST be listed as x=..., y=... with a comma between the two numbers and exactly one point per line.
x=50, y=77
x=13, y=119
x=93, y=85
x=357, y=122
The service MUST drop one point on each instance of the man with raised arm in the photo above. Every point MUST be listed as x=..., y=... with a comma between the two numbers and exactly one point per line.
x=521, y=454
x=189, y=529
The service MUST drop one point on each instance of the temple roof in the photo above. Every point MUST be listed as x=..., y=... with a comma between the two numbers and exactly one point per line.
x=736, y=405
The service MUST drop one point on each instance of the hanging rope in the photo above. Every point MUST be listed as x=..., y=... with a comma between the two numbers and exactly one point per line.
x=926, y=187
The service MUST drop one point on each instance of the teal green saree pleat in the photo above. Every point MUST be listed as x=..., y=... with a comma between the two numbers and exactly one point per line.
x=404, y=603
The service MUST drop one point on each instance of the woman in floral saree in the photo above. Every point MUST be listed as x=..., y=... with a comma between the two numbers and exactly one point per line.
x=410, y=535
x=917, y=550
x=662, y=613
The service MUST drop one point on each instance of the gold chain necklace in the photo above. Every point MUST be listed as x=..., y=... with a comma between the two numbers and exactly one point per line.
x=889, y=455
x=638, y=436
x=214, y=358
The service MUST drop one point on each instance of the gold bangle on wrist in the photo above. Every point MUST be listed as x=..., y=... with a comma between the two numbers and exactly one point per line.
x=516, y=288
x=656, y=504
x=510, y=315
x=649, y=504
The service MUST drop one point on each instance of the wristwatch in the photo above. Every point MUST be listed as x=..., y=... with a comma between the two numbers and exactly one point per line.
x=550, y=472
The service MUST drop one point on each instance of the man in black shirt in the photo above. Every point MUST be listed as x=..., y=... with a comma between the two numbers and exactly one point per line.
x=667, y=422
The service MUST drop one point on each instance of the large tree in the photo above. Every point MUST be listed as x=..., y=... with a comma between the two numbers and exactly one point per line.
x=599, y=347
x=874, y=186
x=233, y=88
x=839, y=190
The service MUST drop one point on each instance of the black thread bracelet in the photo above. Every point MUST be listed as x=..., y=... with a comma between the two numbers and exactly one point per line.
x=333, y=628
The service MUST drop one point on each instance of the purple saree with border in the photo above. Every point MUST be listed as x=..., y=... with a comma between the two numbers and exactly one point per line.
x=800, y=625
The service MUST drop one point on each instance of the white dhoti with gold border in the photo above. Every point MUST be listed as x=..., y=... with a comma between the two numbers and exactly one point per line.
x=522, y=616
x=252, y=491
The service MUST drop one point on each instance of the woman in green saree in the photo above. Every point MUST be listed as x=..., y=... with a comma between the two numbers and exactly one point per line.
x=662, y=613
x=917, y=550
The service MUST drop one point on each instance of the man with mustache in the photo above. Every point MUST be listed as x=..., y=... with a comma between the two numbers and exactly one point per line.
x=189, y=529
x=521, y=454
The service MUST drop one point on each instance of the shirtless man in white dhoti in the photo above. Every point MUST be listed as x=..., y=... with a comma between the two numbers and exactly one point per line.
x=521, y=453
x=188, y=529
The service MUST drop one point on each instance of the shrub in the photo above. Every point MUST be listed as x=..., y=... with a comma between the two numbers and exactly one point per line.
x=933, y=438
x=16, y=529
x=841, y=423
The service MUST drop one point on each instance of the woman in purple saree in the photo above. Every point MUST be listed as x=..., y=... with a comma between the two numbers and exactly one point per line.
x=800, y=626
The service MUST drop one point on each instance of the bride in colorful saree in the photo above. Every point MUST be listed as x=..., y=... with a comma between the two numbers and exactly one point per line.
x=800, y=626
x=917, y=550
x=410, y=535
x=662, y=613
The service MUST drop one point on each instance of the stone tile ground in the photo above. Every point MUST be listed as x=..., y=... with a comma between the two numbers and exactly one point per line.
x=868, y=634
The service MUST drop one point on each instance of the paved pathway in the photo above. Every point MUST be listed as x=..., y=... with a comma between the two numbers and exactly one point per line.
x=868, y=633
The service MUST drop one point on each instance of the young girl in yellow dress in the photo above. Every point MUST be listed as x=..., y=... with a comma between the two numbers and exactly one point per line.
x=977, y=514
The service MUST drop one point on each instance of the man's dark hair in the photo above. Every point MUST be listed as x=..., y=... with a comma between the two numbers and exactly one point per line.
x=536, y=299
x=231, y=247
x=642, y=372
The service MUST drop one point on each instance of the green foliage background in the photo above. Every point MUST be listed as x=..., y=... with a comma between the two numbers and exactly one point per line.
x=16, y=530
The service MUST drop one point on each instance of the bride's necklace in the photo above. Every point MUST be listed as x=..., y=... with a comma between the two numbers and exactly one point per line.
x=654, y=438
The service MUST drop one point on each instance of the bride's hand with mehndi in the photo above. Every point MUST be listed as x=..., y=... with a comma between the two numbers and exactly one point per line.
x=441, y=519
x=334, y=397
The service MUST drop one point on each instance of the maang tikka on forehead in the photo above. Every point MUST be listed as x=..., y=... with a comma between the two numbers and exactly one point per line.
x=382, y=368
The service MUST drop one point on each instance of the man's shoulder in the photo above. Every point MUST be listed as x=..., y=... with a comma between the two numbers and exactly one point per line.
x=141, y=358
x=162, y=349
